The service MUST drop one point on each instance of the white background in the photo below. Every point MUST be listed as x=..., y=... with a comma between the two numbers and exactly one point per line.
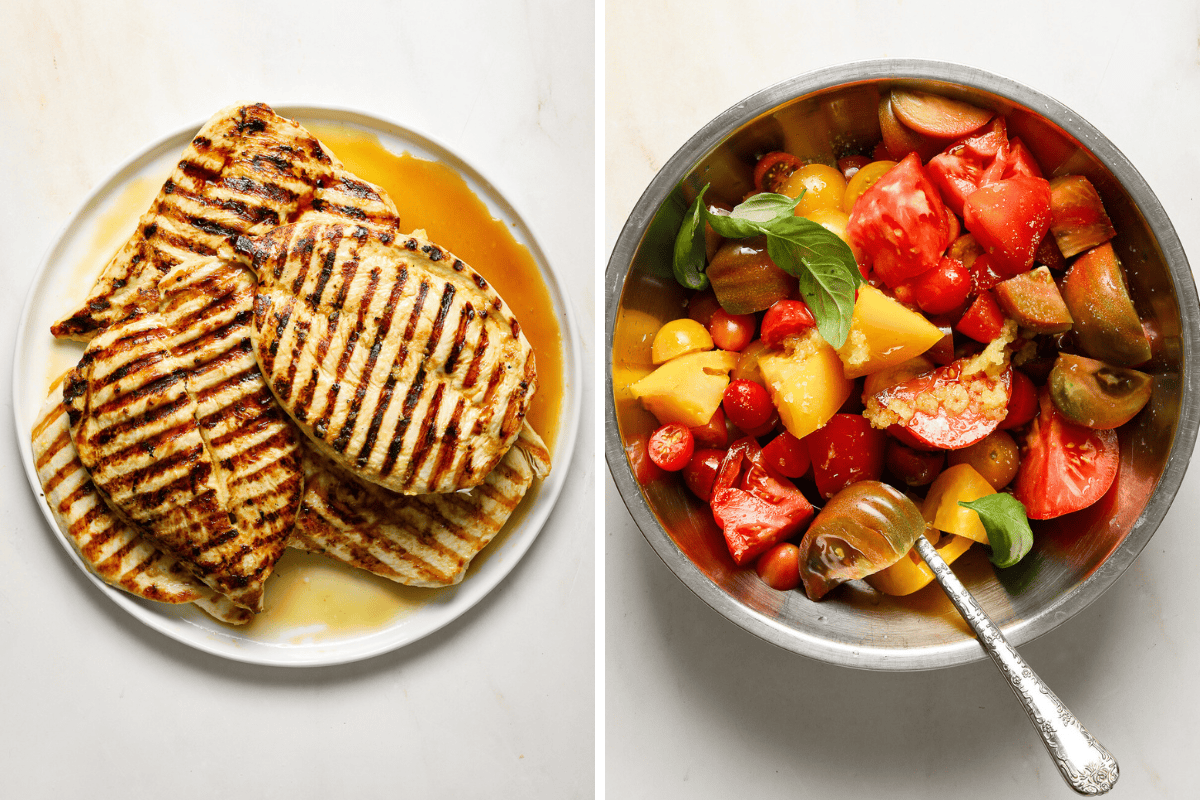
x=698, y=708
x=497, y=704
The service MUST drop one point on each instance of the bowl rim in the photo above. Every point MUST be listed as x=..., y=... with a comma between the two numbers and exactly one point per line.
x=712, y=135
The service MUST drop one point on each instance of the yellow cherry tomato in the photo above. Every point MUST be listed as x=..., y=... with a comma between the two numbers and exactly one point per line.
x=833, y=220
x=941, y=508
x=823, y=187
x=679, y=337
x=862, y=180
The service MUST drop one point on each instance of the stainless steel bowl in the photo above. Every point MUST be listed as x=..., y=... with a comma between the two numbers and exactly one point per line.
x=819, y=116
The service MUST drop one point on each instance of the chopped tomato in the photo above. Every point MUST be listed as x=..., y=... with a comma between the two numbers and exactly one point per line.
x=847, y=449
x=983, y=320
x=779, y=567
x=1015, y=159
x=773, y=170
x=949, y=410
x=1022, y=404
x=943, y=288
x=747, y=404
x=1064, y=467
x=731, y=331
x=701, y=471
x=671, y=446
x=714, y=433
x=958, y=170
x=785, y=318
x=1049, y=254
x=788, y=455
x=1009, y=218
x=754, y=505
x=1078, y=219
x=899, y=224
x=644, y=470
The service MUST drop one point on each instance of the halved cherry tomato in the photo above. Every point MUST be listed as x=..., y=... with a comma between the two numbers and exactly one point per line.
x=714, y=433
x=747, y=405
x=949, y=410
x=731, y=331
x=899, y=224
x=943, y=288
x=671, y=446
x=701, y=471
x=1022, y=404
x=644, y=470
x=754, y=505
x=788, y=455
x=779, y=567
x=1009, y=218
x=1064, y=467
x=773, y=169
x=845, y=450
x=785, y=318
x=984, y=320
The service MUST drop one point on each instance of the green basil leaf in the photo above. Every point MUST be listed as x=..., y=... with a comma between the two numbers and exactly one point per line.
x=766, y=207
x=732, y=227
x=1003, y=517
x=826, y=269
x=688, y=262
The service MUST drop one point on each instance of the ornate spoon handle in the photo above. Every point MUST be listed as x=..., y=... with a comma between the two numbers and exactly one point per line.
x=1085, y=764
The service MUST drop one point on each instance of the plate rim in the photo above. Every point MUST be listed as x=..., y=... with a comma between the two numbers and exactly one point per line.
x=170, y=620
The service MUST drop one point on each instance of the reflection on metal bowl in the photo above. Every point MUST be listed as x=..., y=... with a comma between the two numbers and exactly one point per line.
x=819, y=117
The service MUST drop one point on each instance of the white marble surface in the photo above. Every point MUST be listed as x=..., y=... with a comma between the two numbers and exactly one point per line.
x=696, y=707
x=498, y=704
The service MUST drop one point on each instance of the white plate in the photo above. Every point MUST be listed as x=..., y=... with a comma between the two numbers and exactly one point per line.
x=66, y=273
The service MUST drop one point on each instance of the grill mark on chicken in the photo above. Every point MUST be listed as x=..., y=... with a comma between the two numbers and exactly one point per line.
x=460, y=338
x=426, y=437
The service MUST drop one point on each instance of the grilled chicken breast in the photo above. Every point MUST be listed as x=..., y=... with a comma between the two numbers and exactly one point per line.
x=248, y=170
x=171, y=417
x=112, y=548
x=418, y=540
x=399, y=361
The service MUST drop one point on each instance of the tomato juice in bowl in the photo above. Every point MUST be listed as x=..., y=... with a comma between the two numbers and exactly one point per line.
x=820, y=117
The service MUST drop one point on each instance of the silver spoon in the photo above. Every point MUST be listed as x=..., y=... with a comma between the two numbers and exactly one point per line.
x=1084, y=763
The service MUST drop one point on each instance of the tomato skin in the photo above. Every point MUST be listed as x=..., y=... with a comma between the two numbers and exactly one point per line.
x=644, y=470
x=1010, y=218
x=787, y=455
x=671, y=447
x=899, y=224
x=779, y=567
x=1022, y=404
x=714, y=433
x=913, y=467
x=731, y=331
x=846, y=450
x=701, y=471
x=943, y=288
x=958, y=170
x=747, y=405
x=945, y=429
x=785, y=318
x=852, y=164
x=1064, y=467
x=773, y=169
x=983, y=320
x=754, y=505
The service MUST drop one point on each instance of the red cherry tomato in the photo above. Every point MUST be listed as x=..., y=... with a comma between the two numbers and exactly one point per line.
x=747, y=405
x=943, y=288
x=754, y=505
x=702, y=306
x=788, y=455
x=671, y=446
x=984, y=320
x=1064, y=467
x=948, y=428
x=773, y=169
x=701, y=472
x=899, y=224
x=1023, y=404
x=779, y=567
x=913, y=467
x=846, y=450
x=1009, y=218
x=785, y=318
x=731, y=331
x=851, y=164
x=714, y=433
x=644, y=470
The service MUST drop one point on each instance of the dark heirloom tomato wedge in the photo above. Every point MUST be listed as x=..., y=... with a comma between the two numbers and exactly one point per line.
x=899, y=224
x=845, y=450
x=1010, y=218
x=948, y=410
x=1078, y=219
x=1064, y=467
x=864, y=528
x=754, y=505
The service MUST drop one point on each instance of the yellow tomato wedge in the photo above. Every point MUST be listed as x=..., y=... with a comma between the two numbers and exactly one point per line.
x=686, y=389
x=805, y=382
x=911, y=573
x=678, y=338
x=941, y=508
x=884, y=333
